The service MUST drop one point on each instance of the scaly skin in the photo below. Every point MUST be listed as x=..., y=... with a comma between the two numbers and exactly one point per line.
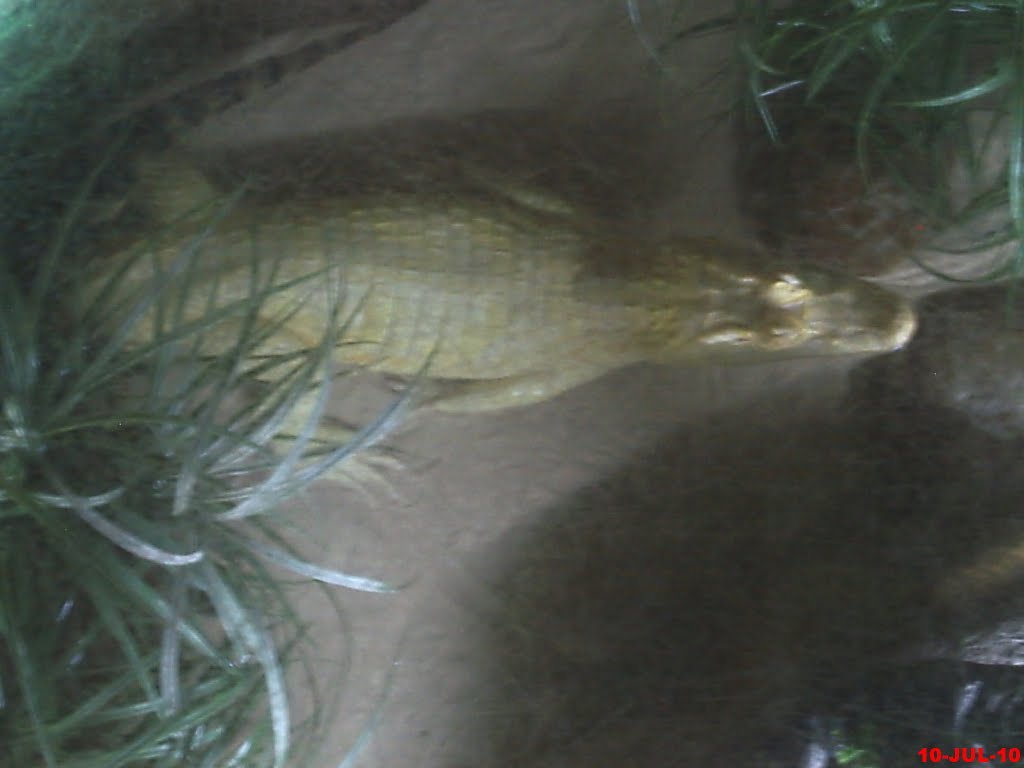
x=516, y=304
x=506, y=299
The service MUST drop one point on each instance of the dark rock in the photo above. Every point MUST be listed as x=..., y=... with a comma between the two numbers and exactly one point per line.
x=966, y=363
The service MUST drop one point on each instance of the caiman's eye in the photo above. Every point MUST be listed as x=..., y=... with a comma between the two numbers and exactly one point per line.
x=787, y=290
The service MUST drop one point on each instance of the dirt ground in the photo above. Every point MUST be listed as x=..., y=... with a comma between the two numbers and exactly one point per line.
x=648, y=570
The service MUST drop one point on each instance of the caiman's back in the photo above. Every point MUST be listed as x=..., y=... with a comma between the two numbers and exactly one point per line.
x=518, y=301
x=483, y=288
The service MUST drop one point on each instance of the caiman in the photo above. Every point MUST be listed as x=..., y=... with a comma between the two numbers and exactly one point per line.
x=506, y=298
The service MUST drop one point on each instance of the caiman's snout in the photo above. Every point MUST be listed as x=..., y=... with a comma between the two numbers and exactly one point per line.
x=808, y=313
x=846, y=316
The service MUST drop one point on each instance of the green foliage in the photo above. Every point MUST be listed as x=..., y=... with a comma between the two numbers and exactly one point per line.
x=138, y=622
x=930, y=93
x=61, y=65
x=946, y=705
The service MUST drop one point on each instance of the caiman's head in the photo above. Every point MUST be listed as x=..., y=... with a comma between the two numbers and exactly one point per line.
x=741, y=307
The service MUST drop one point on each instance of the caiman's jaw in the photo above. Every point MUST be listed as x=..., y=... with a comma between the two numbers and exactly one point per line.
x=808, y=313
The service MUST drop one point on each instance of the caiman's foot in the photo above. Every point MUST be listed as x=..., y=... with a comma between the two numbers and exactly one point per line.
x=342, y=453
x=484, y=395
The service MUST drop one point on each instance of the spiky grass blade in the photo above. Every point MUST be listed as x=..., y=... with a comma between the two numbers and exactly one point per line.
x=908, y=81
x=132, y=474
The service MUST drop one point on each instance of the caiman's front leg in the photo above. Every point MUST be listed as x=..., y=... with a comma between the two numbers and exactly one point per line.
x=363, y=464
x=480, y=395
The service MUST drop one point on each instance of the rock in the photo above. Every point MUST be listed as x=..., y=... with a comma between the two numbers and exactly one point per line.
x=965, y=363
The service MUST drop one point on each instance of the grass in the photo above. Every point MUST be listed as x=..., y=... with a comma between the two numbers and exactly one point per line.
x=139, y=622
x=62, y=63
x=930, y=95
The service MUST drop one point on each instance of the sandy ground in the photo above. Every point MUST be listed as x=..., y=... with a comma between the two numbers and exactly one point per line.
x=618, y=576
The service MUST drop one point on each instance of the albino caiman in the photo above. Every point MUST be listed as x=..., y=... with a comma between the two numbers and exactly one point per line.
x=508, y=300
